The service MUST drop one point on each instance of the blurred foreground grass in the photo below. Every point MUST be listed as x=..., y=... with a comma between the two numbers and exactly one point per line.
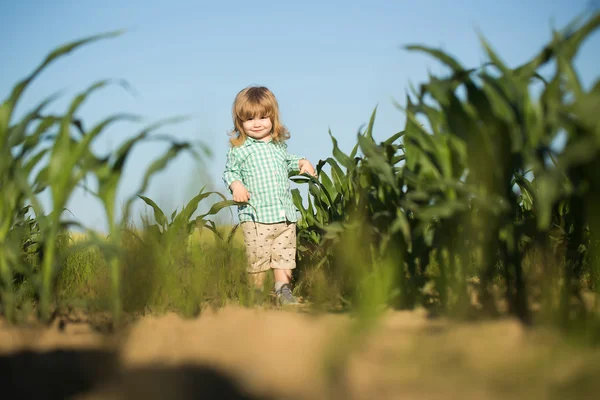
x=202, y=271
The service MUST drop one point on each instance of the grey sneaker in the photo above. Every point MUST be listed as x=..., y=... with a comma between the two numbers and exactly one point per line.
x=285, y=296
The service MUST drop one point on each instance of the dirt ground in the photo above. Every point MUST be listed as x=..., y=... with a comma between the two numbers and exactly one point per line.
x=240, y=353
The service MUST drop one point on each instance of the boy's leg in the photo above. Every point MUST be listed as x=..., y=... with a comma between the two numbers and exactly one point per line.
x=282, y=275
x=283, y=261
x=257, y=279
x=257, y=246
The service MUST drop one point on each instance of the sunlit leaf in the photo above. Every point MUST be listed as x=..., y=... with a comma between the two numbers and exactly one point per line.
x=159, y=216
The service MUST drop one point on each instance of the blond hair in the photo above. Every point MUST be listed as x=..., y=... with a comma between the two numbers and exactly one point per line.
x=251, y=102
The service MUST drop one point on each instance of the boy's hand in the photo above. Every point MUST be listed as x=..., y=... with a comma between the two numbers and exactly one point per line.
x=306, y=167
x=240, y=193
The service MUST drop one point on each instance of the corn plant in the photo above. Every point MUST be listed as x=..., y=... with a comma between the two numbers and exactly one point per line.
x=181, y=224
x=453, y=193
x=48, y=152
x=21, y=155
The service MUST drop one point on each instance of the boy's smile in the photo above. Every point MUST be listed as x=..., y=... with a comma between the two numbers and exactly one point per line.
x=258, y=128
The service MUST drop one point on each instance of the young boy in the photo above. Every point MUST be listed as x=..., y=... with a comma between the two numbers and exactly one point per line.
x=256, y=172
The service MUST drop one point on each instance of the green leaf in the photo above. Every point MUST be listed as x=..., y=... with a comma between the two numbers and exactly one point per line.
x=159, y=216
x=110, y=177
x=377, y=161
x=18, y=133
x=9, y=104
x=570, y=77
x=297, y=198
x=529, y=69
x=300, y=179
x=438, y=54
x=218, y=206
x=340, y=156
x=40, y=134
x=85, y=142
x=353, y=153
x=478, y=99
x=393, y=138
x=575, y=39
x=524, y=184
x=338, y=175
x=401, y=224
x=444, y=210
x=369, y=131
x=210, y=225
x=158, y=165
x=327, y=186
x=459, y=121
x=498, y=99
x=548, y=193
x=422, y=149
x=494, y=58
x=579, y=151
x=192, y=205
x=66, y=153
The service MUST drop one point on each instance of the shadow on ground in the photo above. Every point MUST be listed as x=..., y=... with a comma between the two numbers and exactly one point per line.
x=64, y=374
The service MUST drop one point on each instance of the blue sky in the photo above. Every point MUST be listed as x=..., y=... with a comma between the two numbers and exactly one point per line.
x=328, y=62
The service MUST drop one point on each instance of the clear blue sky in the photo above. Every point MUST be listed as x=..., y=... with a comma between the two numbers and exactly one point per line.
x=328, y=62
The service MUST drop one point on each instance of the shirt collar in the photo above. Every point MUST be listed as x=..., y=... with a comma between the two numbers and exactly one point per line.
x=250, y=141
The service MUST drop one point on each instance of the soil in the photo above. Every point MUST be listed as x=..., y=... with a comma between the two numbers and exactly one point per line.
x=243, y=353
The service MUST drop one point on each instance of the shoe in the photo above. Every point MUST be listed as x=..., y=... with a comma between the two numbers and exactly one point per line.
x=285, y=296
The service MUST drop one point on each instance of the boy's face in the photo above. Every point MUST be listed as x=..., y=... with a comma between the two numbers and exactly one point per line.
x=258, y=128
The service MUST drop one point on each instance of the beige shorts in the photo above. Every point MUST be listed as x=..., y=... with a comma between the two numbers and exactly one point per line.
x=270, y=245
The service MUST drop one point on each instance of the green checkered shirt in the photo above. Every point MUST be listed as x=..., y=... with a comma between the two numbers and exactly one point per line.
x=263, y=168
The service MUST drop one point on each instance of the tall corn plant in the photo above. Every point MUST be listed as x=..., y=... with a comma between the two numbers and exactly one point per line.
x=505, y=132
x=569, y=108
x=181, y=224
x=331, y=199
x=69, y=161
x=109, y=171
x=22, y=153
x=449, y=187
x=360, y=186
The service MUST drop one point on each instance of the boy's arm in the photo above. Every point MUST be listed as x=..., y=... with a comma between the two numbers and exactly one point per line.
x=232, y=171
x=297, y=163
x=292, y=161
